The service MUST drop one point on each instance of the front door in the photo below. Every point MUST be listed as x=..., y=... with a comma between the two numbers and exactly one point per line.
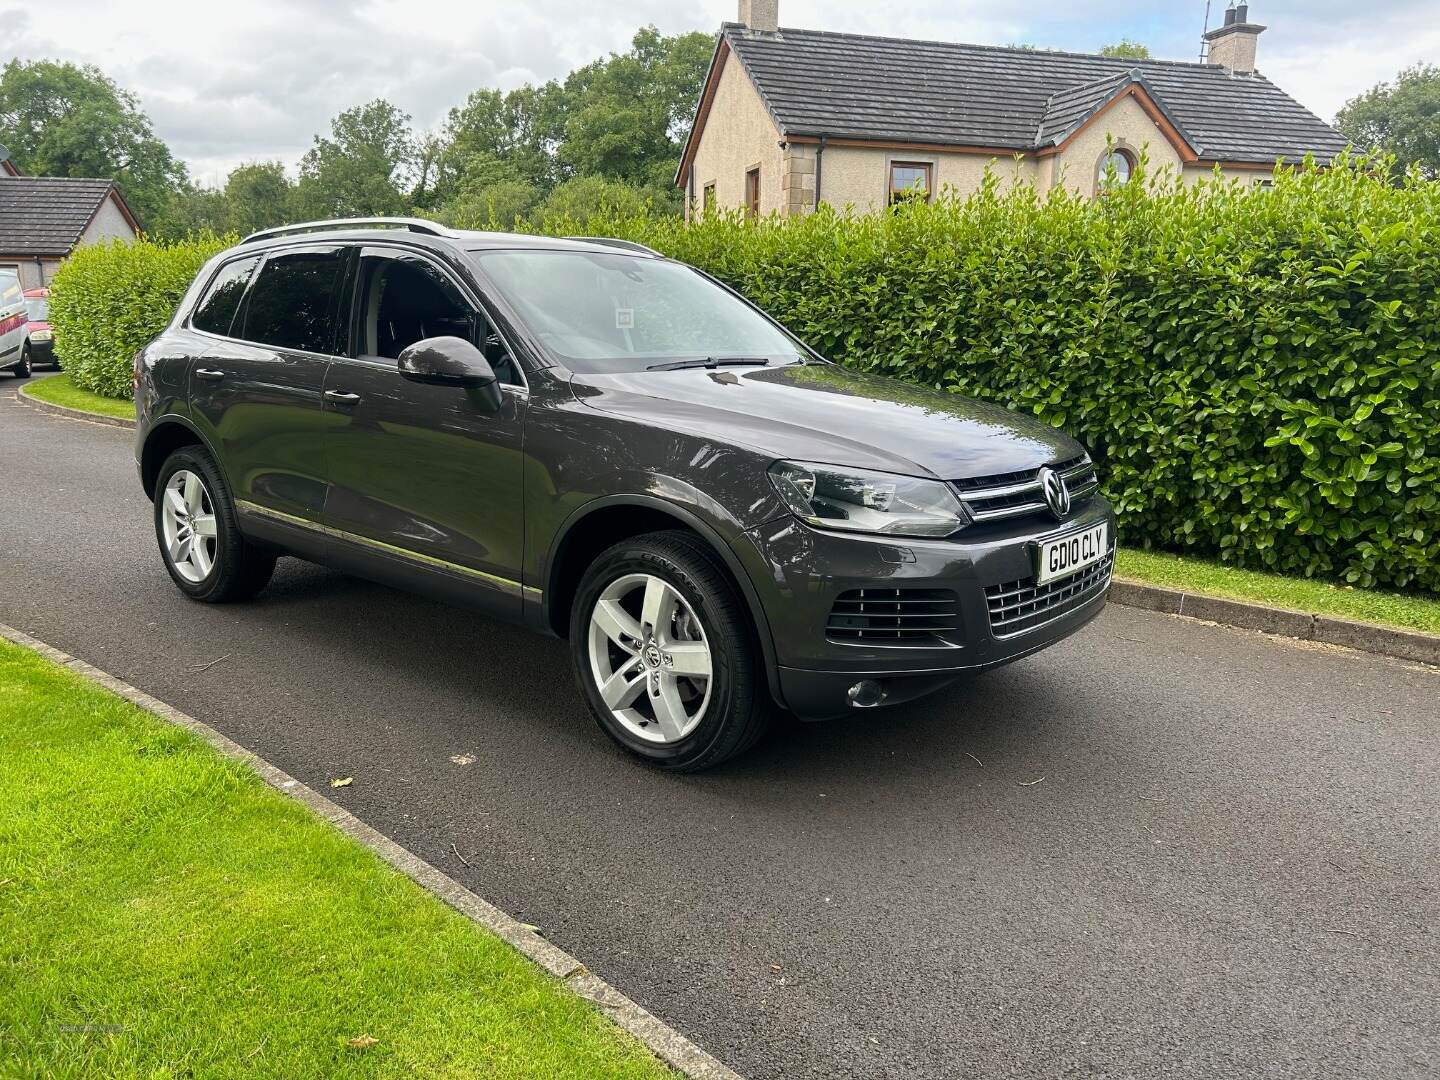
x=419, y=474
x=257, y=382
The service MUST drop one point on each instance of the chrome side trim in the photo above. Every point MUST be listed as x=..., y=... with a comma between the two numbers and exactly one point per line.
x=380, y=545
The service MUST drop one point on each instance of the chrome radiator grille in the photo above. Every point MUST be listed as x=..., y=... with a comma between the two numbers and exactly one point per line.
x=1018, y=494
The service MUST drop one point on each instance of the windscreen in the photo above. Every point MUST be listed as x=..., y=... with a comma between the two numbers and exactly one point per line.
x=600, y=312
x=37, y=310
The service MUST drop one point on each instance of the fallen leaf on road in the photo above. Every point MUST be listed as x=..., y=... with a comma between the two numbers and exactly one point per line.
x=346, y=782
x=533, y=928
x=363, y=1042
x=463, y=759
x=1031, y=783
x=776, y=968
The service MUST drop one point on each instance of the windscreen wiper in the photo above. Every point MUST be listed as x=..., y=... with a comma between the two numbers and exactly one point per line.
x=713, y=362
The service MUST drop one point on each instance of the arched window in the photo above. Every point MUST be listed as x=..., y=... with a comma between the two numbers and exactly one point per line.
x=1122, y=162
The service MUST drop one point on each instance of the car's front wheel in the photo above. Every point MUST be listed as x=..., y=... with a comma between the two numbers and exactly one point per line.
x=199, y=539
x=664, y=653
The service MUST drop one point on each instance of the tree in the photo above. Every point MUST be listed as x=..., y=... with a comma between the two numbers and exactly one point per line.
x=62, y=120
x=1130, y=50
x=364, y=168
x=493, y=206
x=258, y=196
x=588, y=197
x=1402, y=118
x=626, y=115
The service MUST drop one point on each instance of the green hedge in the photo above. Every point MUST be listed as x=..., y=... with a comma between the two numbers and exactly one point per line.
x=1257, y=370
x=108, y=300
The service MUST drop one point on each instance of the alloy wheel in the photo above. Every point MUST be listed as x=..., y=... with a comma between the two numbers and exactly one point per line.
x=650, y=658
x=187, y=522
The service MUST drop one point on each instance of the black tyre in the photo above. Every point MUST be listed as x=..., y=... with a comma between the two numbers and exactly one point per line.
x=22, y=369
x=664, y=652
x=199, y=539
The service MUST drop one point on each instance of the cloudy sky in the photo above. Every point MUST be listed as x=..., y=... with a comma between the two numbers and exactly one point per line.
x=255, y=79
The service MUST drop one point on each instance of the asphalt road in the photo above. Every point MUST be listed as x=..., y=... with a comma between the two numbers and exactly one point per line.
x=1226, y=862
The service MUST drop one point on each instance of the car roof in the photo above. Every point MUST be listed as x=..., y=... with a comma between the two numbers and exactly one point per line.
x=463, y=239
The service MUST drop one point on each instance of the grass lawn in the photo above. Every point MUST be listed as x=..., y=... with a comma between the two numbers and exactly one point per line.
x=164, y=913
x=1409, y=612
x=59, y=390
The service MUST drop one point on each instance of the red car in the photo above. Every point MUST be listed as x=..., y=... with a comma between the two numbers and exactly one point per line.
x=38, y=337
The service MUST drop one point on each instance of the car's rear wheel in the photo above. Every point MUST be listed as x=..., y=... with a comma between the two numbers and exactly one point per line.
x=22, y=369
x=199, y=539
x=664, y=653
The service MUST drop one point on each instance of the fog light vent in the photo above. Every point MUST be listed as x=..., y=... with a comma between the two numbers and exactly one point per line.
x=912, y=618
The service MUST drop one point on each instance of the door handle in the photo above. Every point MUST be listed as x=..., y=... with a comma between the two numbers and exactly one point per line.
x=341, y=397
x=209, y=374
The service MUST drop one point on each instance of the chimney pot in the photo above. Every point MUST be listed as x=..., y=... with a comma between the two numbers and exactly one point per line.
x=1233, y=45
x=763, y=15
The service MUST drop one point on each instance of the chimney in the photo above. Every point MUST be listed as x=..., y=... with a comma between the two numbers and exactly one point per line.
x=761, y=14
x=1233, y=44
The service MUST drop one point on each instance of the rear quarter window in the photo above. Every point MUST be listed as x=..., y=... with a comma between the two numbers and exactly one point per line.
x=215, y=314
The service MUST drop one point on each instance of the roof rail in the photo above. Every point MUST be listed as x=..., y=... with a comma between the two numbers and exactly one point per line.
x=610, y=241
x=419, y=225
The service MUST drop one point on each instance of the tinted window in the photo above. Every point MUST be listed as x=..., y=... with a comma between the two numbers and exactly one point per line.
x=217, y=311
x=39, y=310
x=293, y=302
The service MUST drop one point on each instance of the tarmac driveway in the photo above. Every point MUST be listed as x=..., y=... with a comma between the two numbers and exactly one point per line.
x=1160, y=849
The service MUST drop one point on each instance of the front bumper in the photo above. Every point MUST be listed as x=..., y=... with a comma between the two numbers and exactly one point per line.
x=42, y=352
x=802, y=572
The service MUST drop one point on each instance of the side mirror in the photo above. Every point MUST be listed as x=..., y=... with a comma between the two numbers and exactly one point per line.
x=451, y=361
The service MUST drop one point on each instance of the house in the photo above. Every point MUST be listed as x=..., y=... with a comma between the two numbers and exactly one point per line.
x=790, y=118
x=44, y=218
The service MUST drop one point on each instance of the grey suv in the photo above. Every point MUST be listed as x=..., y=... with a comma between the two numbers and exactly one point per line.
x=603, y=444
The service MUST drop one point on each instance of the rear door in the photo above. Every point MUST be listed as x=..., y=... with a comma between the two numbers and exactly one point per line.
x=12, y=318
x=425, y=473
x=256, y=390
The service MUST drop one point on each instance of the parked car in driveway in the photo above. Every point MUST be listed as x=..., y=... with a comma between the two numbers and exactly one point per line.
x=14, y=344
x=38, y=336
x=603, y=444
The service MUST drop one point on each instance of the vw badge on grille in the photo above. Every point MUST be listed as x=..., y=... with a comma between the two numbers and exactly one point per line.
x=1057, y=495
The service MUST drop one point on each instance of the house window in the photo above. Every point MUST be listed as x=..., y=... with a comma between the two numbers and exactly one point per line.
x=707, y=197
x=1123, y=164
x=910, y=180
x=752, y=192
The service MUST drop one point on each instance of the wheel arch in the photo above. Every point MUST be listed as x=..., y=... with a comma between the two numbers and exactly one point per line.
x=608, y=520
x=166, y=435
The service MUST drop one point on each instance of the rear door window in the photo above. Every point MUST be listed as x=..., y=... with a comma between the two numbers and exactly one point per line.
x=216, y=312
x=294, y=303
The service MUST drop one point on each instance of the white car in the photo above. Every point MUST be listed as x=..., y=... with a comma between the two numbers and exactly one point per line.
x=14, y=356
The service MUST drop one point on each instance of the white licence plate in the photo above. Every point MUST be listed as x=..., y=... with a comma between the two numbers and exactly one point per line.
x=1071, y=554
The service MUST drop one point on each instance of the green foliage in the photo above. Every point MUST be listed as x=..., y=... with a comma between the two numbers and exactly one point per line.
x=1131, y=50
x=1402, y=118
x=363, y=168
x=61, y=120
x=591, y=198
x=1257, y=370
x=108, y=300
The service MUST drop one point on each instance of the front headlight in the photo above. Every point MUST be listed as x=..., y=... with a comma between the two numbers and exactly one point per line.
x=41, y=335
x=856, y=500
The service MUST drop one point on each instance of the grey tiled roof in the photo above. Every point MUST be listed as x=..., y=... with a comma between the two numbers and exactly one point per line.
x=46, y=215
x=895, y=90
